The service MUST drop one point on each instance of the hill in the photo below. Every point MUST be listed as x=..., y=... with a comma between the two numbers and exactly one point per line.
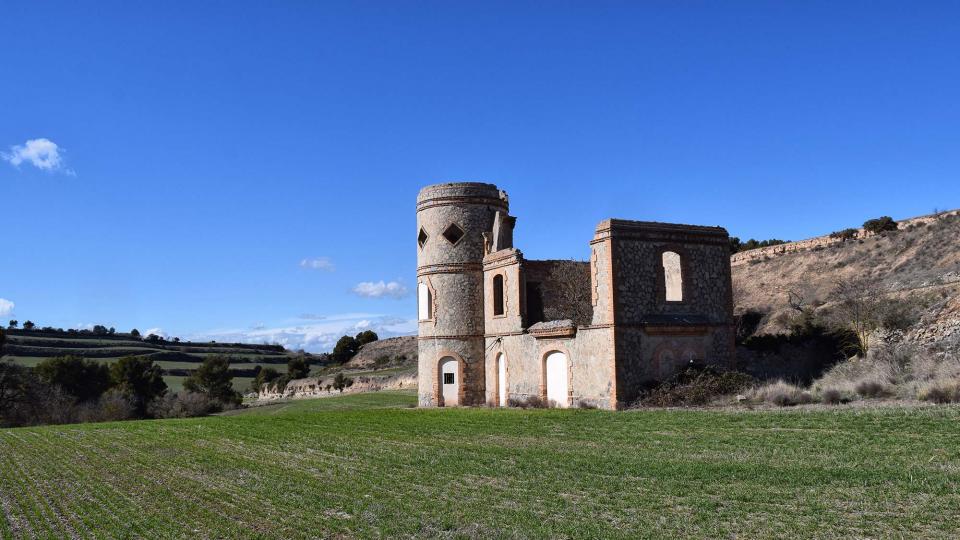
x=364, y=466
x=386, y=364
x=30, y=347
x=918, y=264
x=398, y=351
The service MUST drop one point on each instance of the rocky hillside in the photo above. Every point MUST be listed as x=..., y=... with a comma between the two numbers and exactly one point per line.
x=387, y=364
x=398, y=351
x=919, y=264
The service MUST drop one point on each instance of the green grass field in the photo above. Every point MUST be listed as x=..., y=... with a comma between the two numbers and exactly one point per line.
x=368, y=466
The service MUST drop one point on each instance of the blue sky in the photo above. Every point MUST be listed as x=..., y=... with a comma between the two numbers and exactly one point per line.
x=236, y=170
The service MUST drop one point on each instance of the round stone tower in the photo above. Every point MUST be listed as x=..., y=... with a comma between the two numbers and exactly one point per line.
x=451, y=222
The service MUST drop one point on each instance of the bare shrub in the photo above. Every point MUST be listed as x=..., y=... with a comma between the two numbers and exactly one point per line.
x=858, y=309
x=928, y=367
x=833, y=396
x=52, y=406
x=112, y=406
x=779, y=393
x=518, y=403
x=696, y=386
x=184, y=405
x=532, y=402
x=537, y=402
x=873, y=389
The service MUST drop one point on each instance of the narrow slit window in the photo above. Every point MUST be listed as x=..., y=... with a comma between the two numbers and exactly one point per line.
x=672, y=276
x=422, y=238
x=498, y=294
x=424, y=302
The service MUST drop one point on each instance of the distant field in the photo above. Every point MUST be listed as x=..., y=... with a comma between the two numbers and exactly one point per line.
x=174, y=382
x=349, y=467
x=29, y=349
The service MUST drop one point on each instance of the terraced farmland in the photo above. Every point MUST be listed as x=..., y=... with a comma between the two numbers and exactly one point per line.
x=175, y=358
x=367, y=466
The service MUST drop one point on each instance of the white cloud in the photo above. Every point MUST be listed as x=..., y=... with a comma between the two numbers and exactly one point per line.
x=43, y=154
x=6, y=307
x=155, y=331
x=381, y=289
x=315, y=337
x=319, y=263
x=311, y=317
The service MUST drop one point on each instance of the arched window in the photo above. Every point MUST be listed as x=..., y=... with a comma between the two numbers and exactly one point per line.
x=672, y=276
x=498, y=294
x=424, y=302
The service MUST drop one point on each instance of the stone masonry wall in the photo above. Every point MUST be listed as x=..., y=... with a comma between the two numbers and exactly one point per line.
x=640, y=281
x=654, y=337
x=453, y=271
x=565, y=289
x=589, y=359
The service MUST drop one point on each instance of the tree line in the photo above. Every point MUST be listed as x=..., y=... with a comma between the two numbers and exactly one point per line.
x=878, y=225
x=69, y=389
x=97, y=330
x=345, y=349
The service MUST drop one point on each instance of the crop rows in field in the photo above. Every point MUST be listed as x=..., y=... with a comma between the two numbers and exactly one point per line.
x=347, y=467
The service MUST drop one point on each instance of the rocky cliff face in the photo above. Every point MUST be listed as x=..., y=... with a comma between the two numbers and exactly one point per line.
x=918, y=264
x=313, y=387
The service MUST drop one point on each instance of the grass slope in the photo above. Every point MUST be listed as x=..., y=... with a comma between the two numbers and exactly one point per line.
x=349, y=467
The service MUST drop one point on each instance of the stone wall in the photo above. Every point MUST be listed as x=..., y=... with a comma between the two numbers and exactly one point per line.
x=507, y=264
x=452, y=268
x=639, y=279
x=654, y=337
x=589, y=358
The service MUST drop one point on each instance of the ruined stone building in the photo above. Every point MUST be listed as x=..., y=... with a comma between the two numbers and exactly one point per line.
x=496, y=329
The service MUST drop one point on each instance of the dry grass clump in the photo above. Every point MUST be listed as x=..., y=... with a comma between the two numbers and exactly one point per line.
x=779, y=393
x=943, y=391
x=893, y=371
x=863, y=378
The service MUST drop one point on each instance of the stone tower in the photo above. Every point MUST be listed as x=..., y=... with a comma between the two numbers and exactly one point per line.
x=454, y=224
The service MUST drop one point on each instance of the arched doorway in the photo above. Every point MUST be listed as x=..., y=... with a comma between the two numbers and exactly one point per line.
x=501, y=380
x=557, y=390
x=450, y=381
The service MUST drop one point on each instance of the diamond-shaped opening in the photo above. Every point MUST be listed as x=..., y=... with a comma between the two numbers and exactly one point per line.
x=453, y=234
x=422, y=237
